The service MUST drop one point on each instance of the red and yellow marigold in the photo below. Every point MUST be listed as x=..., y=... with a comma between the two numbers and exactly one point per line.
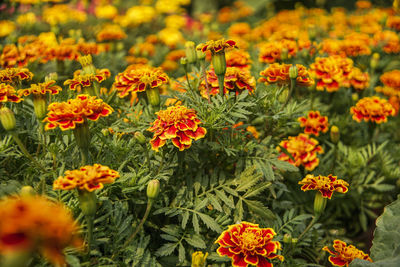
x=111, y=32
x=217, y=46
x=67, y=115
x=33, y=223
x=41, y=89
x=15, y=75
x=329, y=73
x=238, y=58
x=85, y=80
x=372, y=109
x=303, y=149
x=177, y=123
x=391, y=82
x=359, y=80
x=325, y=184
x=314, y=123
x=344, y=254
x=87, y=178
x=248, y=244
x=8, y=94
x=137, y=79
x=279, y=73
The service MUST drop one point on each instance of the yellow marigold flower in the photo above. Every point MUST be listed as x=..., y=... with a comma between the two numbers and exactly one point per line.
x=75, y=111
x=106, y=12
x=61, y=14
x=87, y=178
x=85, y=80
x=279, y=73
x=199, y=259
x=15, y=75
x=303, y=149
x=111, y=32
x=175, y=21
x=177, y=123
x=8, y=94
x=393, y=22
x=41, y=89
x=325, y=184
x=138, y=79
x=391, y=81
x=240, y=29
x=11, y=56
x=217, y=46
x=253, y=131
x=137, y=15
x=314, y=123
x=248, y=244
x=344, y=254
x=372, y=109
x=238, y=58
x=171, y=37
x=6, y=27
x=27, y=19
x=33, y=223
x=359, y=80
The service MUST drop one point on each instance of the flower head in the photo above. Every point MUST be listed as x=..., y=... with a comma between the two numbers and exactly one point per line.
x=14, y=75
x=359, y=80
x=314, y=123
x=303, y=149
x=87, y=178
x=238, y=58
x=138, y=79
x=111, y=32
x=8, y=94
x=373, y=109
x=85, y=80
x=325, y=184
x=177, y=123
x=248, y=244
x=217, y=46
x=199, y=259
x=41, y=89
x=279, y=73
x=33, y=223
x=344, y=255
x=391, y=81
x=67, y=115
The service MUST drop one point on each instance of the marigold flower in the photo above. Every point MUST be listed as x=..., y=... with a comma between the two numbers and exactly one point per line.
x=303, y=149
x=177, y=123
x=217, y=46
x=33, y=223
x=41, y=89
x=11, y=56
x=269, y=53
x=372, y=109
x=344, y=254
x=238, y=58
x=248, y=244
x=8, y=94
x=87, y=178
x=85, y=80
x=138, y=79
x=171, y=37
x=67, y=115
x=325, y=184
x=111, y=32
x=279, y=73
x=391, y=81
x=328, y=72
x=15, y=75
x=106, y=11
x=389, y=40
x=359, y=80
x=314, y=123
x=6, y=27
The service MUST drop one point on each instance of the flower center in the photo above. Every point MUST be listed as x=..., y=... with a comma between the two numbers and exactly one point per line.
x=250, y=240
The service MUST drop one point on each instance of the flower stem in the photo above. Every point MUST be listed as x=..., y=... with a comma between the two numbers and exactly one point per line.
x=89, y=222
x=313, y=221
x=25, y=151
x=292, y=86
x=221, y=84
x=187, y=80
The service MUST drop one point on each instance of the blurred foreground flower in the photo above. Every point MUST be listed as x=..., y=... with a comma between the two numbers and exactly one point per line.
x=177, y=123
x=32, y=224
x=372, y=109
x=248, y=244
x=391, y=81
x=344, y=255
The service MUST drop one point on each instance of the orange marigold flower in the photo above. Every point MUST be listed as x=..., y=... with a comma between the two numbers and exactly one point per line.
x=111, y=32
x=15, y=75
x=393, y=22
x=344, y=255
x=314, y=123
x=248, y=244
x=177, y=123
x=236, y=80
x=395, y=102
x=389, y=41
x=391, y=79
x=279, y=73
x=11, y=56
x=88, y=178
x=8, y=94
x=359, y=80
x=303, y=150
x=325, y=184
x=85, y=80
x=217, y=46
x=238, y=58
x=138, y=79
x=34, y=223
x=328, y=73
x=75, y=111
x=373, y=109
x=41, y=89
x=269, y=53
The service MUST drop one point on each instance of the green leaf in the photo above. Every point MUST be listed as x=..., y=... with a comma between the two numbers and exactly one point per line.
x=169, y=237
x=201, y=204
x=195, y=222
x=257, y=207
x=284, y=165
x=213, y=225
x=224, y=198
x=181, y=252
x=214, y=202
x=196, y=241
x=185, y=218
x=256, y=190
x=166, y=249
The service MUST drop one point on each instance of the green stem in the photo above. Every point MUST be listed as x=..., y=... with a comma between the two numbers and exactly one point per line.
x=90, y=224
x=292, y=86
x=221, y=83
x=313, y=221
x=25, y=151
x=84, y=156
x=146, y=151
x=187, y=80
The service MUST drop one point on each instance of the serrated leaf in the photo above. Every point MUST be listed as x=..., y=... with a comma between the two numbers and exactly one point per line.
x=166, y=249
x=230, y=191
x=214, y=202
x=210, y=223
x=201, y=204
x=169, y=237
x=257, y=207
x=284, y=165
x=256, y=190
x=196, y=241
x=224, y=198
x=195, y=222
x=185, y=218
x=181, y=252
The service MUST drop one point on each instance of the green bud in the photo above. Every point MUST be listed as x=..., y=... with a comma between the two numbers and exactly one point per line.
x=153, y=96
x=51, y=76
x=295, y=240
x=319, y=204
x=200, y=55
x=284, y=54
x=219, y=63
x=27, y=190
x=88, y=202
x=7, y=119
x=287, y=238
x=190, y=49
x=283, y=96
x=293, y=72
x=140, y=138
x=199, y=259
x=335, y=134
x=153, y=189
x=374, y=61
x=40, y=106
x=184, y=61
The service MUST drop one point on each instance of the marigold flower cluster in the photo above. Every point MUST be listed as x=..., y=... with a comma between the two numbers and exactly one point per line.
x=87, y=178
x=248, y=244
x=61, y=14
x=33, y=223
x=303, y=150
x=240, y=9
x=279, y=73
x=344, y=254
x=391, y=81
x=314, y=123
x=238, y=58
x=85, y=80
x=177, y=123
x=41, y=89
x=271, y=52
x=15, y=75
x=372, y=109
x=216, y=46
x=111, y=32
x=67, y=115
x=138, y=79
x=325, y=184
x=8, y=94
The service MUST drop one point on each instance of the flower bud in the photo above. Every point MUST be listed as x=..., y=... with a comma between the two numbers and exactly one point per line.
x=295, y=240
x=27, y=190
x=200, y=54
x=293, y=72
x=7, y=119
x=283, y=96
x=319, y=204
x=284, y=54
x=334, y=134
x=219, y=63
x=51, y=76
x=184, y=61
x=190, y=52
x=153, y=189
x=287, y=238
x=153, y=96
x=87, y=64
x=374, y=61
x=88, y=202
x=40, y=106
x=140, y=138
x=199, y=259
x=354, y=97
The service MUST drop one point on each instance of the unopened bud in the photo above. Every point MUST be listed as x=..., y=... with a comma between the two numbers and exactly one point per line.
x=191, y=52
x=153, y=189
x=200, y=54
x=140, y=138
x=287, y=238
x=283, y=96
x=27, y=191
x=184, y=61
x=199, y=259
x=374, y=61
x=53, y=76
x=319, y=204
x=88, y=202
x=40, y=106
x=335, y=134
x=219, y=63
x=354, y=97
x=293, y=72
x=7, y=119
x=153, y=96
